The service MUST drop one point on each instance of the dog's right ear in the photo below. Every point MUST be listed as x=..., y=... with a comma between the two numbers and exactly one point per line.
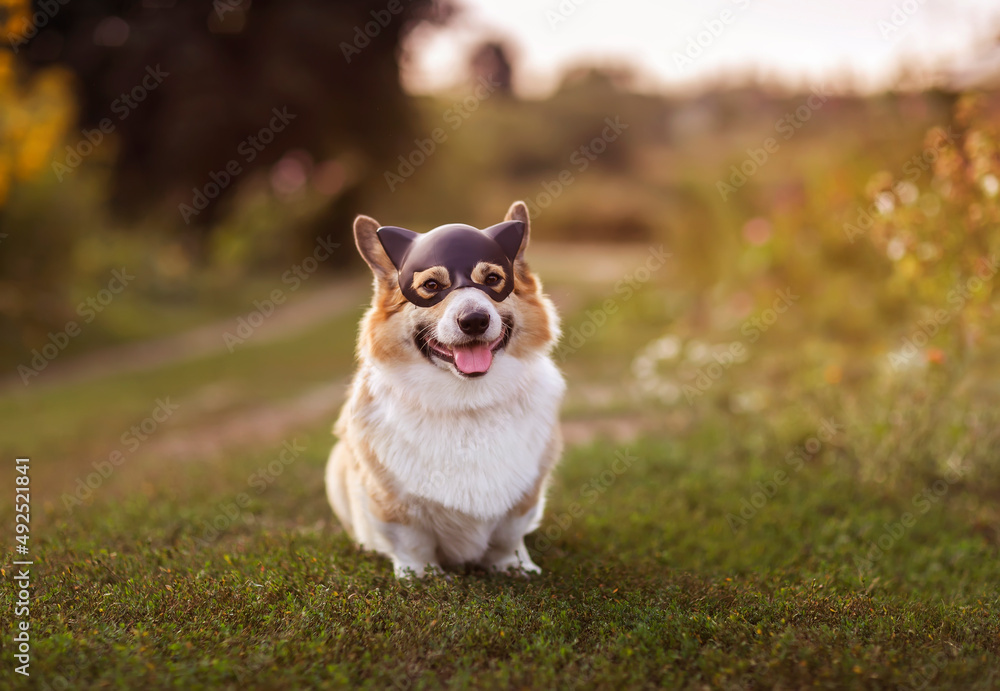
x=518, y=211
x=367, y=240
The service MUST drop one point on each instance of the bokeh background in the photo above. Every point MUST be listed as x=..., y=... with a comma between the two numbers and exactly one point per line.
x=839, y=210
x=741, y=207
x=772, y=230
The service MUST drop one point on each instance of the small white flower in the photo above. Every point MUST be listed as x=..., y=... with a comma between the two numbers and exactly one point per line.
x=990, y=185
x=748, y=402
x=665, y=348
x=698, y=352
x=907, y=192
x=668, y=392
x=895, y=250
x=885, y=203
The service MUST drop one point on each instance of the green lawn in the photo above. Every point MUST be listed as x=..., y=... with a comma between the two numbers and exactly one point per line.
x=716, y=547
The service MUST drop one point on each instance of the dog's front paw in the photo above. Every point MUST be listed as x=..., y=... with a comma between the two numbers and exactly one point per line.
x=409, y=570
x=407, y=573
x=515, y=563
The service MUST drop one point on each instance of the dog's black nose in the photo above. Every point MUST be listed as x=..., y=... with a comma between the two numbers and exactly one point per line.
x=474, y=323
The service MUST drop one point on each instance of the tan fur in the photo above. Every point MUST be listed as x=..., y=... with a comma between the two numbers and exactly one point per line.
x=377, y=337
x=533, y=326
x=536, y=331
x=360, y=462
x=552, y=455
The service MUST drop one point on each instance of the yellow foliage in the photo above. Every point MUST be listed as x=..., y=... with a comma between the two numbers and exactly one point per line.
x=15, y=16
x=35, y=114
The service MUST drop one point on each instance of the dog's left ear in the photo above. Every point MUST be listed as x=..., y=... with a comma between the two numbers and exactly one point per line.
x=519, y=212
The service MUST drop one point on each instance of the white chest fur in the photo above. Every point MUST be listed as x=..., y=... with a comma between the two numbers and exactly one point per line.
x=472, y=445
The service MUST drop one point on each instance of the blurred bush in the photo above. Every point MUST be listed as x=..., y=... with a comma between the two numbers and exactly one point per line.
x=936, y=221
x=38, y=222
x=115, y=114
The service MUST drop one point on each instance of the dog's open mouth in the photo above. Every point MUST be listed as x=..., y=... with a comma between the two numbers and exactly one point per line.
x=472, y=359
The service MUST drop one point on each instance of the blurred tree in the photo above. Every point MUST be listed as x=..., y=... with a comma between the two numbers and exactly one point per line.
x=195, y=91
x=490, y=62
x=179, y=102
x=35, y=114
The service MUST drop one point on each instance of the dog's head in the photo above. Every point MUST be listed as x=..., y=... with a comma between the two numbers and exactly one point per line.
x=455, y=298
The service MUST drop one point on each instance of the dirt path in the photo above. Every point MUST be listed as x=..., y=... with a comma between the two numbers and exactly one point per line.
x=292, y=319
x=271, y=422
x=560, y=265
x=262, y=425
x=269, y=425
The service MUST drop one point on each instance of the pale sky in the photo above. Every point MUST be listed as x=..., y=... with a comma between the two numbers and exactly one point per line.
x=805, y=42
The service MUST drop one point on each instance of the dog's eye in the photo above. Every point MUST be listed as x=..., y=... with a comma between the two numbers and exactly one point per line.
x=431, y=284
x=492, y=280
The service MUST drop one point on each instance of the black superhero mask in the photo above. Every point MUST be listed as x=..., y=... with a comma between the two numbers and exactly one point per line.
x=453, y=256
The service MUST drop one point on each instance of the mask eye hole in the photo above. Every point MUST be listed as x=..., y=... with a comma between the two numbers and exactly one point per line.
x=431, y=282
x=490, y=275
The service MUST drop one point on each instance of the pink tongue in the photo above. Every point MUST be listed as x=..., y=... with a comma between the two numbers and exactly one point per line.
x=473, y=359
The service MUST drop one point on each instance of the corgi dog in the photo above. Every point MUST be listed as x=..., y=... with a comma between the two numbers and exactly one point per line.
x=451, y=427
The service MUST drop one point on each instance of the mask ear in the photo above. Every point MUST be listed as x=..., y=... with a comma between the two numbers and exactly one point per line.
x=396, y=242
x=509, y=236
x=519, y=212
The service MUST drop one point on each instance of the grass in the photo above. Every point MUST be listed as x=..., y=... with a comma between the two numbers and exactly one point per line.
x=649, y=587
x=261, y=373
x=720, y=549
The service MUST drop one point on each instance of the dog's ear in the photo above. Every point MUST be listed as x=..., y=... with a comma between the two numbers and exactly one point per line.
x=367, y=239
x=519, y=212
x=508, y=235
